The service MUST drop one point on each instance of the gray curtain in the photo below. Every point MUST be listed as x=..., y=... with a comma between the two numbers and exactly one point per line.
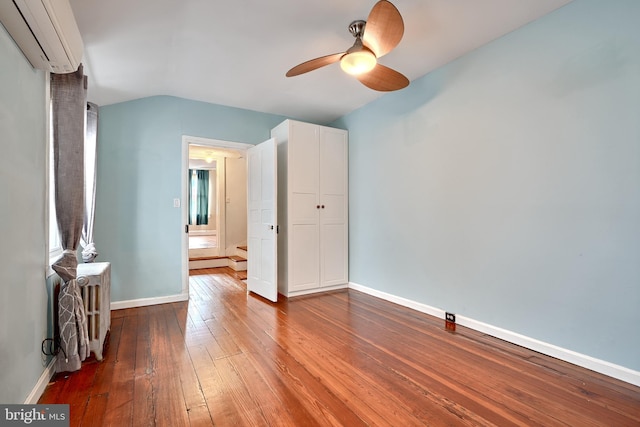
x=89, y=252
x=68, y=96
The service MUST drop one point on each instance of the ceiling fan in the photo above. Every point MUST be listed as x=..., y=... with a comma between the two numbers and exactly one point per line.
x=375, y=37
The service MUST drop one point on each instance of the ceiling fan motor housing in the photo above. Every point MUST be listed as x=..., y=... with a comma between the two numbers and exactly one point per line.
x=356, y=28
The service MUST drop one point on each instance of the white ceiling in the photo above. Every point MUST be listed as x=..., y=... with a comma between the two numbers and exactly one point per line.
x=206, y=157
x=236, y=53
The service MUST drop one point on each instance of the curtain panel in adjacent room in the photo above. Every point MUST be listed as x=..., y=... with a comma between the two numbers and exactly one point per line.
x=198, y=197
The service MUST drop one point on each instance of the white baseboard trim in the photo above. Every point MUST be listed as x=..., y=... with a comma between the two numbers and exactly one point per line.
x=418, y=306
x=313, y=291
x=610, y=369
x=44, y=379
x=143, y=302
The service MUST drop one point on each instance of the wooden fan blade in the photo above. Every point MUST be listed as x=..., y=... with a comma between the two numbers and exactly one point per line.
x=314, y=64
x=384, y=28
x=383, y=79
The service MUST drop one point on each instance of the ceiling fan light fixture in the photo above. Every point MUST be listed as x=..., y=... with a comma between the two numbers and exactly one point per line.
x=358, y=62
x=375, y=37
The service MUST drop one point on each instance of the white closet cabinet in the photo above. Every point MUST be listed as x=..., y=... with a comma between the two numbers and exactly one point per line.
x=312, y=208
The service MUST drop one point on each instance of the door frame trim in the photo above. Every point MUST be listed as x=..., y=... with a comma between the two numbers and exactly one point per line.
x=184, y=195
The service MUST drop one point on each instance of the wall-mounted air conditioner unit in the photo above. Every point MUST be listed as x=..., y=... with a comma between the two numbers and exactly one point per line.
x=46, y=32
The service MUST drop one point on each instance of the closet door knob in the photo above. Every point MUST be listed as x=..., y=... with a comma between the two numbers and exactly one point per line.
x=322, y=206
x=317, y=206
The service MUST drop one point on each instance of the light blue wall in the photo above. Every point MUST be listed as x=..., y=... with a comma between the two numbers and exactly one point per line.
x=23, y=294
x=137, y=228
x=505, y=186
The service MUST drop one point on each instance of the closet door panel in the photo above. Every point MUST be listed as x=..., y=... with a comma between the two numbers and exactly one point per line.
x=333, y=161
x=335, y=206
x=333, y=216
x=303, y=257
x=304, y=208
x=334, y=256
x=304, y=170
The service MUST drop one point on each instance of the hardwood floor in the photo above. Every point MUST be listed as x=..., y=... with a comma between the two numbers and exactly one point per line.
x=339, y=359
x=203, y=242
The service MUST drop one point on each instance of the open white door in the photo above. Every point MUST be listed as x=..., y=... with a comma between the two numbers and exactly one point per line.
x=262, y=229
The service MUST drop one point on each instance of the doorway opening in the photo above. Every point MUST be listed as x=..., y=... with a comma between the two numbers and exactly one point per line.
x=214, y=202
x=203, y=216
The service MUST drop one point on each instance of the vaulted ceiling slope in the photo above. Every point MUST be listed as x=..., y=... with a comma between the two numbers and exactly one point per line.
x=236, y=53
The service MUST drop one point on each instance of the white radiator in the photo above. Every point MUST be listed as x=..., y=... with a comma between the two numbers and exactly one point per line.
x=96, y=294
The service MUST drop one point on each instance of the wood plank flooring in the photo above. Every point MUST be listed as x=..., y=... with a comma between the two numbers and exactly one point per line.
x=339, y=359
x=203, y=242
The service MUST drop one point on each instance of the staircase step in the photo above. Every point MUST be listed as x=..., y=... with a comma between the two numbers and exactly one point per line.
x=208, y=262
x=206, y=258
x=236, y=262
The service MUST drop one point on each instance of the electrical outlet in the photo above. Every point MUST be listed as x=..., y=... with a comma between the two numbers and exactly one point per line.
x=450, y=317
x=449, y=326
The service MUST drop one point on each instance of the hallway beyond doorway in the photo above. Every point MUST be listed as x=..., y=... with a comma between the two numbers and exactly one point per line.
x=203, y=242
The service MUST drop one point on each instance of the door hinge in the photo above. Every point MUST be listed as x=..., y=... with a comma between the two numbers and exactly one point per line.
x=186, y=228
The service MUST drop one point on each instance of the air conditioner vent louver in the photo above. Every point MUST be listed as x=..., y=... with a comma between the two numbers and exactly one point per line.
x=46, y=32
